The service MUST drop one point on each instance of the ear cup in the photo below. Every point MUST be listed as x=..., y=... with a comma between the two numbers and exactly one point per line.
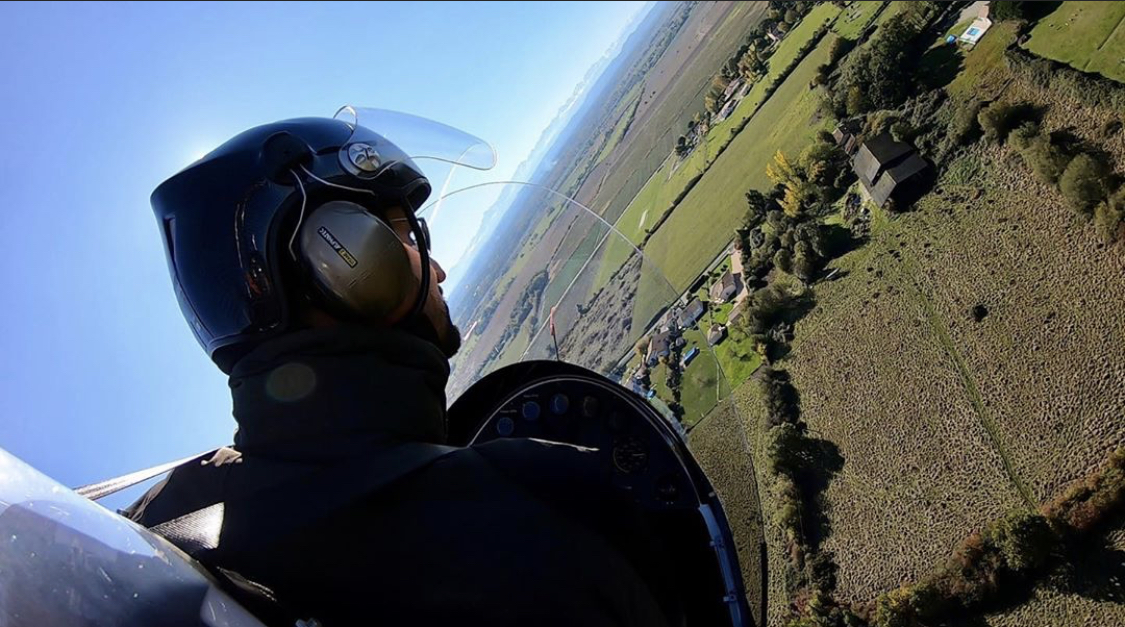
x=355, y=261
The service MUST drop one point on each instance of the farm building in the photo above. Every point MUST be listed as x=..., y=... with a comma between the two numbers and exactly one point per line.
x=716, y=334
x=658, y=346
x=724, y=289
x=731, y=88
x=725, y=112
x=887, y=168
x=692, y=313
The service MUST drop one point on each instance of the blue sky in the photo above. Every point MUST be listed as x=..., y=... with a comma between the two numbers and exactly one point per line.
x=99, y=372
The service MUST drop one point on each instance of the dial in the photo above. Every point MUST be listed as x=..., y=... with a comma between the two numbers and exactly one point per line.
x=559, y=404
x=630, y=455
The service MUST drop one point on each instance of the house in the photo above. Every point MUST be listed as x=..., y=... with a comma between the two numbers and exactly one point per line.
x=716, y=334
x=658, y=346
x=745, y=90
x=731, y=88
x=725, y=112
x=886, y=168
x=725, y=288
x=692, y=313
x=690, y=355
x=774, y=34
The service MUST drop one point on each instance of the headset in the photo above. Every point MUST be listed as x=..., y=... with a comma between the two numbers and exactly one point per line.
x=353, y=258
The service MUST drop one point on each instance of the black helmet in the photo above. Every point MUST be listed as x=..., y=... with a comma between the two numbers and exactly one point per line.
x=229, y=221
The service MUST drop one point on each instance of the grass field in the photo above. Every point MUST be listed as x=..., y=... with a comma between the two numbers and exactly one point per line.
x=703, y=224
x=652, y=142
x=983, y=73
x=657, y=195
x=624, y=115
x=856, y=18
x=721, y=446
x=674, y=175
x=1086, y=35
x=701, y=388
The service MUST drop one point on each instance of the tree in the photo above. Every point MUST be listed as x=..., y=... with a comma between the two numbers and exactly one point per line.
x=783, y=27
x=1045, y=158
x=1109, y=217
x=804, y=261
x=1007, y=10
x=783, y=260
x=1021, y=137
x=964, y=126
x=1083, y=183
x=855, y=103
x=786, y=451
x=730, y=69
x=757, y=206
x=791, y=17
x=682, y=146
x=780, y=397
x=902, y=131
x=996, y=120
x=798, y=192
x=1024, y=540
x=877, y=76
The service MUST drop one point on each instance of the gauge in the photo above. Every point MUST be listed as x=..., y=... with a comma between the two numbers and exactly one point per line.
x=530, y=410
x=559, y=404
x=630, y=455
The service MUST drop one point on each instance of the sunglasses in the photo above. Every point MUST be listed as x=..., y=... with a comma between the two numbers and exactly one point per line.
x=421, y=225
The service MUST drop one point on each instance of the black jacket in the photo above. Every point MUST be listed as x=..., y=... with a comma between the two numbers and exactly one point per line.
x=514, y=532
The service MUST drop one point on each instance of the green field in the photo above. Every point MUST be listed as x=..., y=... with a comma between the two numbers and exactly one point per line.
x=1086, y=35
x=674, y=175
x=703, y=224
x=624, y=115
x=700, y=390
x=984, y=71
x=651, y=144
x=856, y=18
x=657, y=195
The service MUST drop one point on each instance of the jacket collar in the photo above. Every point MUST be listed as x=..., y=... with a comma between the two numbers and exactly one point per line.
x=322, y=394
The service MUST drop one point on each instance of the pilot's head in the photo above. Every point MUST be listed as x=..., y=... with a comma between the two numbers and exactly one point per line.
x=305, y=222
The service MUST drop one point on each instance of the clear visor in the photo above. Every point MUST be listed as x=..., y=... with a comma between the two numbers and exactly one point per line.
x=438, y=149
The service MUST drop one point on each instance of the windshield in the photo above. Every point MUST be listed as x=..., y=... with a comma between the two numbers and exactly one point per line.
x=546, y=278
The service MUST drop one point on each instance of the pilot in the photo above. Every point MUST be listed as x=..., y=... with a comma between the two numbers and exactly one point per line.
x=300, y=265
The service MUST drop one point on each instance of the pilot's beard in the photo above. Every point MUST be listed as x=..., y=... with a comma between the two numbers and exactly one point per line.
x=451, y=343
x=448, y=340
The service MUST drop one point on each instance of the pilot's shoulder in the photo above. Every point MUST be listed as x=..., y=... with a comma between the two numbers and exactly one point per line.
x=190, y=486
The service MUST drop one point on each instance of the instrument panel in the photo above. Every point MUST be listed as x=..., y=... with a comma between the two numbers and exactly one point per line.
x=632, y=447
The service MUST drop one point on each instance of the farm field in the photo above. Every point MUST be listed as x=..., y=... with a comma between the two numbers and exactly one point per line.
x=1088, y=36
x=673, y=92
x=944, y=423
x=703, y=224
x=659, y=192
